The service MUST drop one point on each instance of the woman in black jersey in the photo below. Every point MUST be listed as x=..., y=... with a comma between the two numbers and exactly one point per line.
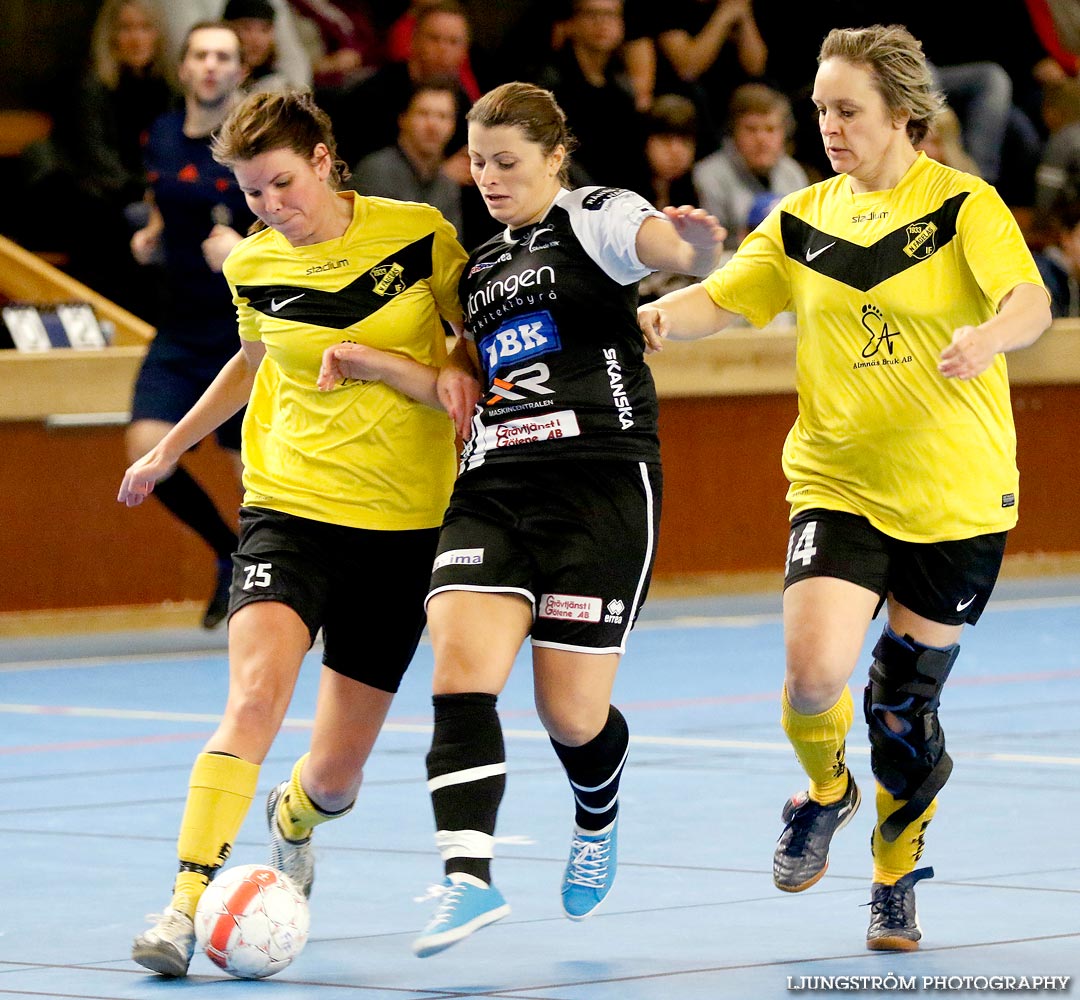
x=551, y=529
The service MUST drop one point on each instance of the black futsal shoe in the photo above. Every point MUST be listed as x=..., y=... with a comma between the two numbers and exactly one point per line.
x=802, y=852
x=894, y=924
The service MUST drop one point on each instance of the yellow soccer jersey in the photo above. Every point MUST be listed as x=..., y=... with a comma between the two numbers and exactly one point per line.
x=879, y=283
x=362, y=455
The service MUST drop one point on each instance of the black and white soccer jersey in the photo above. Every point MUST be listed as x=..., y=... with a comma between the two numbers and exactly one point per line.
x=552, y=310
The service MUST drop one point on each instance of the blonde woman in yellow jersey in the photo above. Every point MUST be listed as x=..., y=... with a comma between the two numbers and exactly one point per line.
x=909, y=281
x=356, y=476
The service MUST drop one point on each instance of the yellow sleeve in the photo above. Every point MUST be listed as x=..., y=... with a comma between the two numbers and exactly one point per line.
x=247, y=319
x=755, y=282
x=448, y=259
x=994, y=245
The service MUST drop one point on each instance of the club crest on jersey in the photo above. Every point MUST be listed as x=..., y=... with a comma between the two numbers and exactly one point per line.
x=388, y=280
x=921, y=236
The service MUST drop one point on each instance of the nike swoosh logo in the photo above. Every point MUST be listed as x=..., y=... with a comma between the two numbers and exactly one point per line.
x=810, y=255
x=275, y=305
x=962, y=605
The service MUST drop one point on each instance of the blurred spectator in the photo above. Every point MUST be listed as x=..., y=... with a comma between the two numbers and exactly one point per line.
x=670, y=147
x=93, y=163
x=1058, y=173
x=945, y=143
x=1059, y=261
x=293, y=61
x=253, y=22
x=410, y=170
x=590, y=85
x=365, y=117
x=399, y=44
x=704, y=50
x=198, y=213
x=752, y=161
x=1057, y=24
x=343, y=40
x=670, y=151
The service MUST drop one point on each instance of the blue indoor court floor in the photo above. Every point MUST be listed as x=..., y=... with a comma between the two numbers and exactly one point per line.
x=100, y=732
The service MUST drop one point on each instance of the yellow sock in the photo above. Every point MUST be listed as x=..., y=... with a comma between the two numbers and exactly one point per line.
x=220, y=791
x=297, y=815
x=819, y=742
x=893, y=861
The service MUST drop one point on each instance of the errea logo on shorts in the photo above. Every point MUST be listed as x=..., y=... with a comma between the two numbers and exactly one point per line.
x=570, y=607
x=458, y=557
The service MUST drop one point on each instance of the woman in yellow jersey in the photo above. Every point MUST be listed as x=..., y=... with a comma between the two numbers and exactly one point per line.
x=335, y=482
x=910, y=281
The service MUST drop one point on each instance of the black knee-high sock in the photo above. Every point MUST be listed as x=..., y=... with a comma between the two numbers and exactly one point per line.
x=188, y=502
x=594, y=771
x=466, y=769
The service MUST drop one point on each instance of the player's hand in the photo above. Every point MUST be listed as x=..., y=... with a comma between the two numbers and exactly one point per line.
x=459, y=392
x=144, y=244
x=345, y=361
x=654, y=327
x=696, y=226
x=969, y=355
x=216, y=246
x=139, y=480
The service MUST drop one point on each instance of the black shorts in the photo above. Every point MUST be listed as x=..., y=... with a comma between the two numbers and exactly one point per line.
x=364, y=589
x=947, y=582
x=171, y=380
x=577, y=539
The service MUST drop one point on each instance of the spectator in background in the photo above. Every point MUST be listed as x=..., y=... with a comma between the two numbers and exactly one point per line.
x=670, y=147
x=590, y=85
x=945, y=143
x=1059, y=260
x=399, y=45
x=94, y=161
x=752, y=161
x=410, y=170
x=293, y=61
x=253, y=22
x=343, y=39
x=1058, y=173
x=366, y=116
x=1057, y=25
x=197, y=215
x=704, y=50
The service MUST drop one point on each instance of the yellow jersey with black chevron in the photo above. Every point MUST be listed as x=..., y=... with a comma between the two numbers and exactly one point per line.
x=363, y=454
x=879, y=282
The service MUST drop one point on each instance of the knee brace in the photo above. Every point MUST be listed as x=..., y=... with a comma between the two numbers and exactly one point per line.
x=906, y=679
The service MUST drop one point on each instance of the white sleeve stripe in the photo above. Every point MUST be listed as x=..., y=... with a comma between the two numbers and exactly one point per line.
x=465, y=776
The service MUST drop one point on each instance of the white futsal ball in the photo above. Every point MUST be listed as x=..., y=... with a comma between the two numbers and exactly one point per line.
x=252, y=921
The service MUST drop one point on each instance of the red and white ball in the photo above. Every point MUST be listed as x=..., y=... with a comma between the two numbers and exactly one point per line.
x=252, y=921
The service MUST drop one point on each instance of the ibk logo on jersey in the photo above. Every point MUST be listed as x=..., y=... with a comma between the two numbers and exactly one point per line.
x=530, y=335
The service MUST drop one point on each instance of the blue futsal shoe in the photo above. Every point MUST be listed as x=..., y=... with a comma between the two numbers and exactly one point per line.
x=465, y=905
x=590, y=872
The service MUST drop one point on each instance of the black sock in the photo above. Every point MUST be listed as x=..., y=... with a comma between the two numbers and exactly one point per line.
x=595, y=770
x=467, y=735
x=188, y=502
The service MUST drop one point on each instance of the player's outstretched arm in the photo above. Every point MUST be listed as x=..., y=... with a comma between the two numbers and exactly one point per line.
x=223, y=397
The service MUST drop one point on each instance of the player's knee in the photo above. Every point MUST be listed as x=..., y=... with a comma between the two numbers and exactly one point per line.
x=901, y=708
